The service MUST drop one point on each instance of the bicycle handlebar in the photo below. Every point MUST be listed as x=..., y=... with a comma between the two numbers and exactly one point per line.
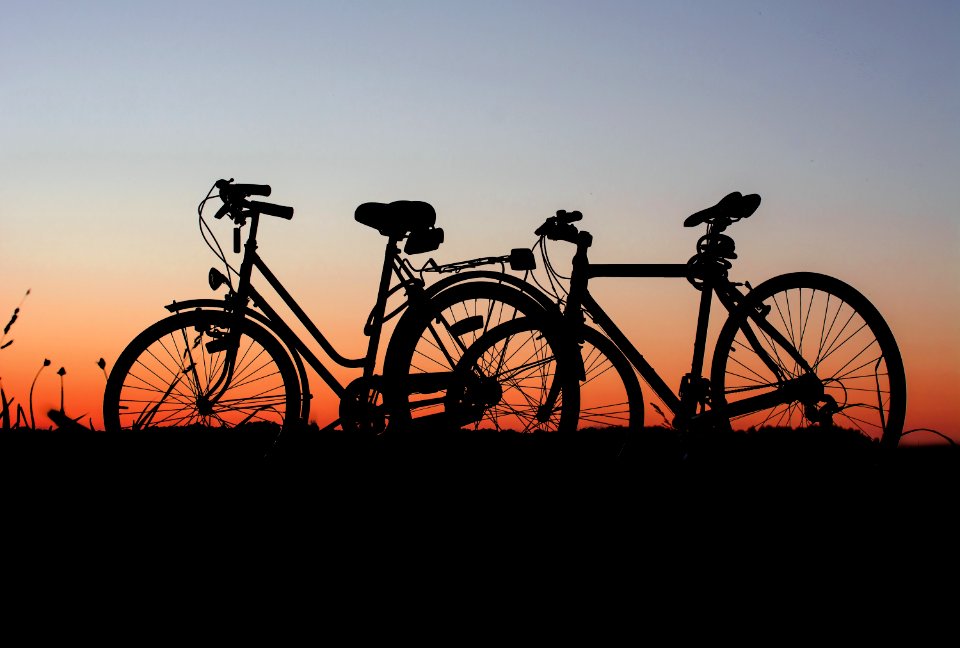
x=234, y=197
x=242, y=190
x=560, y=227
x=271, y=209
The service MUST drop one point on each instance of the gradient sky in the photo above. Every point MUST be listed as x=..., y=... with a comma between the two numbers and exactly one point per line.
x=116, y=117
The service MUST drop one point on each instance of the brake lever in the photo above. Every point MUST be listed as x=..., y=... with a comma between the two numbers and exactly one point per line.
x=545, y=227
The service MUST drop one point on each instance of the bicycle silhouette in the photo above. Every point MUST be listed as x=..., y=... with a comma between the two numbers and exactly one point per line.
x=800, y=349
x=235, y=362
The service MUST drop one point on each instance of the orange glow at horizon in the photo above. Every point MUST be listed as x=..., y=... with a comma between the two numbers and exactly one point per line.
x=663, y=335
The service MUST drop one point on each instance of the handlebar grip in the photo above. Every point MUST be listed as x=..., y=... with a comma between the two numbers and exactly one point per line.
x=568, y=217
x=271, y=210
x=250, y=189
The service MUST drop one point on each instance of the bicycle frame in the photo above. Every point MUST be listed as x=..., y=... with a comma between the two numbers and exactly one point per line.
x=694, y=389
x=236, y=301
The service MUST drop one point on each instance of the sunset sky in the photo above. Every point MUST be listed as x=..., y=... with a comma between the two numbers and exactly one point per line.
x=117, y=117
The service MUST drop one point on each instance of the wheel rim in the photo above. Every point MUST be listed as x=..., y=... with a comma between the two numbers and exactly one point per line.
x=172, y=382
x=605, y=400
x=520, y=359
x=432, y=341
x=845, y=343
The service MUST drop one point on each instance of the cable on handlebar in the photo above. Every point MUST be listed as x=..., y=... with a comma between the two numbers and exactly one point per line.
x=207, y=233
x=555, y=287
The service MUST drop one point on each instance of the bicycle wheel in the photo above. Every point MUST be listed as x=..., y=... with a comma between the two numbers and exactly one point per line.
x=173, y=375
x=504, y=378
x=839, y=334
x=522, y=355
x=610, y=401
x=610, y=394
x=427, y=347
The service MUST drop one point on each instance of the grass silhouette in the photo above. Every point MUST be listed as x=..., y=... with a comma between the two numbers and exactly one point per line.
x=309, y=448
x=58, y=417
x=5, y=403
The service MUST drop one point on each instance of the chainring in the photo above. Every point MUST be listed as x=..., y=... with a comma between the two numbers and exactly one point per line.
x=361, y=407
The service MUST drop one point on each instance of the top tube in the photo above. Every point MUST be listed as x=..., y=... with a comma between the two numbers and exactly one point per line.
x=638, y=270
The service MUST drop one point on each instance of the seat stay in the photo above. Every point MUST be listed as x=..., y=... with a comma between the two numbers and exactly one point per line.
x=734, y=300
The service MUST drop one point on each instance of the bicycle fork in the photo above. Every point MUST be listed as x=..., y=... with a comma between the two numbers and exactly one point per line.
x=205, y=399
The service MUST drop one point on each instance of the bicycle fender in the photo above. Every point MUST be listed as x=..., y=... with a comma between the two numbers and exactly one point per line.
x=217, y=304
x=176, y=307
x=477, y=275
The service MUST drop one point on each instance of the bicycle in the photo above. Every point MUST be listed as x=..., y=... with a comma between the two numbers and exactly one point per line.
x=234, y=362
x=800, y=349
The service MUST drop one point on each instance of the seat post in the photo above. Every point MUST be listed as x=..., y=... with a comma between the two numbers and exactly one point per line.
x=376, y=321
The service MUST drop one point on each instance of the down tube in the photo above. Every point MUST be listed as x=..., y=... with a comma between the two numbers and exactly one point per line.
x=646, y=371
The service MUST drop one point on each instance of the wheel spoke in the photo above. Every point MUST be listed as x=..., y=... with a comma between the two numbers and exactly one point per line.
x=164, y=377
x=851, y=353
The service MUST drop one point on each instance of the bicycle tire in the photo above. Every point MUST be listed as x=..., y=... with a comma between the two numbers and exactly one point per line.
x=840, y=334
x=432, y=337
x=521, y=357
x=160, y=377
x=610, y=393
x=606, y=400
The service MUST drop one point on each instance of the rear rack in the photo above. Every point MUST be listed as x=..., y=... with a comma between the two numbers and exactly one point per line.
x=518, y=259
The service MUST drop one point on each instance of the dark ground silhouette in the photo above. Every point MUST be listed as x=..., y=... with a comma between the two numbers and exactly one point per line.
x=471, y=457
x=467, y=507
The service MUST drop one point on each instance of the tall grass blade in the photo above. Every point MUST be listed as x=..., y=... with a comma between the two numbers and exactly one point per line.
x=6, y=409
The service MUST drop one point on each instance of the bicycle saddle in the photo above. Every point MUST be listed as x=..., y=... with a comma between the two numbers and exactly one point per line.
x=396, y=219
x=731, y=208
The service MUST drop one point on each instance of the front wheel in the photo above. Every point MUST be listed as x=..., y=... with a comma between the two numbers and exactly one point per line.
x=424, y=359
x=819, y=338
x=610, y=394
x=512, y=378
x=203, y=369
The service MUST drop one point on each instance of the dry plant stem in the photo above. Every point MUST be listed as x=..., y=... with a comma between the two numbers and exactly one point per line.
x=33, y=423
x=61, y=372
x=4, y=342
x=5, y=414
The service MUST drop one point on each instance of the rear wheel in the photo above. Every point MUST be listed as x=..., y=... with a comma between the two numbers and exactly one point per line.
x=857, y=380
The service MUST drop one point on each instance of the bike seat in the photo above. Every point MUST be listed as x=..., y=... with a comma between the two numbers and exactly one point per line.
x=396, y=219
x=731, y=208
